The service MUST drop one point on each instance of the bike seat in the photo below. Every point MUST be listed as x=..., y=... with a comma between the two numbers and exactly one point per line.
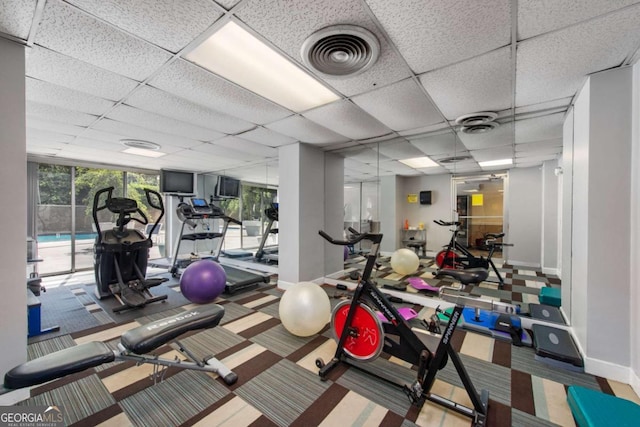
x=467, y=276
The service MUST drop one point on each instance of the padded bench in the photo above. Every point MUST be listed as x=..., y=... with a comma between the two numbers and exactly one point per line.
x=592, y=408
x=550, y=296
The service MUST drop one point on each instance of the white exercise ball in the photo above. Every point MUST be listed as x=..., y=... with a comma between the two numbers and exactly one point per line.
x=304, y=309
x=404, y=261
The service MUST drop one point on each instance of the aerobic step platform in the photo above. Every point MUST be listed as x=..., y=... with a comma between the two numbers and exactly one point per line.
x=592, y=408
x=550, y=296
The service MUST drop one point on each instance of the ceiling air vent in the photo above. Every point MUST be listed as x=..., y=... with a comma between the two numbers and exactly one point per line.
x=481, y=128
x=138, y=143
x=454, y=159
x=340, y=50
x=476, y=118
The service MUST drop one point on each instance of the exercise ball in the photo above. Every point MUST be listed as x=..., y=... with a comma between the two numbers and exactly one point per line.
x=203, y=281
x=404, y=261
x=304, y=309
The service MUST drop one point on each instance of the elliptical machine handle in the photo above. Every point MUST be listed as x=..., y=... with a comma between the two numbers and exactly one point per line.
x=156, y=205
x=97, y=208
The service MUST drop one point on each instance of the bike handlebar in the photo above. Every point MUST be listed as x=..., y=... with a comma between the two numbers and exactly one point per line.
x=358, y=237
x=447, y=224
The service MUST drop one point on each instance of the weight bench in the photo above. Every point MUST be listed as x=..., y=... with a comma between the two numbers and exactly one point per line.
x=592, y=408
x=135, y=345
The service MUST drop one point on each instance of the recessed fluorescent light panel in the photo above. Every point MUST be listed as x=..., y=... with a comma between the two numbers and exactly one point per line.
x=235, y=54
x=419, y=162
x=143, y=152
x=501, y=162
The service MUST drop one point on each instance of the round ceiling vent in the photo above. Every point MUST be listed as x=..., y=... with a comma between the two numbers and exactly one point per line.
x=454, y=159
x=476, y=118
x=481, y=128
x=138, y=143
x=340, y=50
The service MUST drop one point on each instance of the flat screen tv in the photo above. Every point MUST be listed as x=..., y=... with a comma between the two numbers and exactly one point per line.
x=227, y=187
x=176, y=182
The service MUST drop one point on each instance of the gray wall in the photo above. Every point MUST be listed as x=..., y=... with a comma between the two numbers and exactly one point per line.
x=389, y=216
x=566, y=213
x=13, y=175
x=635, y=231
x=524, y=204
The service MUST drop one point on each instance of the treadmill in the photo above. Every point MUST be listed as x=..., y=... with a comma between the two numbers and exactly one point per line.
x=269, y=255
x=238, y=280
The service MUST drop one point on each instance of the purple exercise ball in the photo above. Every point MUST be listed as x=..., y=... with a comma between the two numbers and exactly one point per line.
x=203, y=281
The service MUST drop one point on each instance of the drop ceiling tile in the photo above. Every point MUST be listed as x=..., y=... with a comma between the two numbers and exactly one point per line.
x=528, y=164
x=121, y=130
x=58, y=96
x=493, y=154
x=432, y=33
x=464, y=169
x=88, y=144
x=265, y=136
x=571, y=54
x=354, y=165
x=533, y=146
x=135, y=116
x=47, y=135
x=347, y=119
x=448, y=155
x=53, y=67
x=365, y=155
x=288, y=24
x=305, y=130
x=398, y=168
x=418, y=132
x=162, y=103
x=165, y=23
x=246, y=146
x=562, y=103
x=16, y=17
x=502, y=135
x=400, y=106
x=195, y=84
x=57, y=114
x=479, y=84
x=536, y=158
x=536, y=17
x=537, y=151
x=438, y=170
x=399, y=150
x=67, y=30
x=539, y=128
x=47, y=125
x=438, y=144
x=226, y=153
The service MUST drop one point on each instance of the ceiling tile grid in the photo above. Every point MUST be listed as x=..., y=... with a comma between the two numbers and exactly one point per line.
x=58, y=114
x=17, y=17
x=431, y=34
x=195, y=84
x=125, y=131
x=246, y=146
x=305, y=130
x=166, y=23
x=262, y=135
x=67, y=30
x=346, y=118
x=58, y=96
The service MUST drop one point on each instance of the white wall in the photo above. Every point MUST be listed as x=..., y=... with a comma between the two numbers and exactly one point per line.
x=13, y=175
x=549, y=242
x=333, y=204
x=440, y=208
x=600, y=278
x=635, y=233
x=524, y=202
x=566, y=213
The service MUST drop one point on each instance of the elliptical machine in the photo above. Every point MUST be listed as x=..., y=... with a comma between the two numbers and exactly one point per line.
x=121, y=254
x=268, y=255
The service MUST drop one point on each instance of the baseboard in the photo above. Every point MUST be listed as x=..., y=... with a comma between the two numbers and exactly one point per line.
x=608, y=370
x=635, y=382
x=553, y=271
x=522, y=263
x=13, y=397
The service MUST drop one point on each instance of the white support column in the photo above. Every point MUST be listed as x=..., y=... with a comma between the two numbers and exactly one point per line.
x=311, y=194
x=13, y=175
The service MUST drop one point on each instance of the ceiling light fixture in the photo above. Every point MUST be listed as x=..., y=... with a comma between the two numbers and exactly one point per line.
x=419, y=162
x=479, y=128
x=476, y=118
x=454, y=159
x=501, y=162
x=141, y=144
x=235, y=54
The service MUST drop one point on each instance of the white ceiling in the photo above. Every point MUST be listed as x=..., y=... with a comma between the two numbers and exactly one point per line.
x=101, y=71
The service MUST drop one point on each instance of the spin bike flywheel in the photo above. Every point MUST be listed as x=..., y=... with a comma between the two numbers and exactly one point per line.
x=448, y=259
x=366, y=336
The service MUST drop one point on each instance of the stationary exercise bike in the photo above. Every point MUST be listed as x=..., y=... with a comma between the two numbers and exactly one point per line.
x=455, y=255
x=121, y=253
x=362, y=337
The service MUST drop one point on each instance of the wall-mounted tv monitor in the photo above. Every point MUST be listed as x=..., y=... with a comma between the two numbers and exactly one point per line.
x=227, y=187
x=176, y=182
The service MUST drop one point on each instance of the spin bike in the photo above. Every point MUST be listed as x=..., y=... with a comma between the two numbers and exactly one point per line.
x=362, y=337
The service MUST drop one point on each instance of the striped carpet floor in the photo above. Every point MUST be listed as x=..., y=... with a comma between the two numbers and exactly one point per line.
x=278, y=383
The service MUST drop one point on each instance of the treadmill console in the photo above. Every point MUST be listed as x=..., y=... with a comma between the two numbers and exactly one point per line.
x=200, y=206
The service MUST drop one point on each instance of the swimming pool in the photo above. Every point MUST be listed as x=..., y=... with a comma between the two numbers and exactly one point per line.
x=64, y=237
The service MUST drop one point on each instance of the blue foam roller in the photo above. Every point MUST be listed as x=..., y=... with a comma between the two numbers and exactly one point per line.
x=592, y=408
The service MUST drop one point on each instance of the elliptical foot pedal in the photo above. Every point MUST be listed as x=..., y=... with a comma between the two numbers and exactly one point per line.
x=132, y=297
